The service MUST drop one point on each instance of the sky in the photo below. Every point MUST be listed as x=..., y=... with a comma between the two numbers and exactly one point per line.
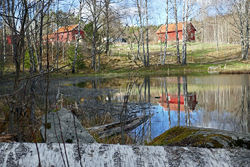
x=157, y=10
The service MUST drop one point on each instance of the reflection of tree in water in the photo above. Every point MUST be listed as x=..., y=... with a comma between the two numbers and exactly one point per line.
x=227, y=107
x=176, y=101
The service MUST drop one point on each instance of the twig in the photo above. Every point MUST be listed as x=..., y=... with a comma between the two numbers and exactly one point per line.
x=12, y=94
x=46, y=73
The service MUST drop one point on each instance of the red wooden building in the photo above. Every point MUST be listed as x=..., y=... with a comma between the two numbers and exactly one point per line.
x=9, y=38
x=65, y=34
x=172, y=33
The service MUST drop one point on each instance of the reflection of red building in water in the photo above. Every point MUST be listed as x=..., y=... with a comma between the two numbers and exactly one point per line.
x=173, y=102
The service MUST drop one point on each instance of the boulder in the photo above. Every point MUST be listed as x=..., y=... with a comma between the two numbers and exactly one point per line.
x=63, y=126
x=202, y=137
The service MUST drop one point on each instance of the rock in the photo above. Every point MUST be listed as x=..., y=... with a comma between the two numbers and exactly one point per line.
x=221, y=141
x=202, y=137
x=65, y=132
x=100, y=155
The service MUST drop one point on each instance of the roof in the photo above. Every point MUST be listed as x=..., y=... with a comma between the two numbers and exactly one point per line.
x=66, y=28
x=171, y=28
x=50, y=36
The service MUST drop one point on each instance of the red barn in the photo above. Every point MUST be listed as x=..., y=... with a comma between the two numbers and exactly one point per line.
x=65, y=34
x=9, y=38
x=172, y=34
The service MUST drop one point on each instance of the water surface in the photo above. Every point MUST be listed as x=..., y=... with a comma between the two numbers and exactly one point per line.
x=213, y=101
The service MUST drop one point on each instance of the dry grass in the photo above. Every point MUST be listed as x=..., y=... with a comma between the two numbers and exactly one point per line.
x=205, y=53
x=7, y=138
x=117, y=139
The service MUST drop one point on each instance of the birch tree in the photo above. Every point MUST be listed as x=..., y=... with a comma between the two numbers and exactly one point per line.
x=239, y=10
x=139, y=4
x=95, y=8
x=107, y=19
x=176, y=31
x=166, y=34
x=184, y=31
x=41, y=38
x=2, y=59
x=78, y=37
x=242, y=22
x=18, y=24
x=147, y=35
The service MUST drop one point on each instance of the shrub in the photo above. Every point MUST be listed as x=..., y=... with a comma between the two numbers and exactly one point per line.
x=80, y=58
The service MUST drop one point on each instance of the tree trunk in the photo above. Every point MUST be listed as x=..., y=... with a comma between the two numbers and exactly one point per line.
x=184, y=32
x=78, y=37
x=147, y=35
x=107, y=3
x=139, y=4
x=166, y=36
x=216, y=34
x=247, y=28
x=93, y=52
x=41, y=40
x=2, y=60
x=31, y=52
x=176, y=31
x=57, y=37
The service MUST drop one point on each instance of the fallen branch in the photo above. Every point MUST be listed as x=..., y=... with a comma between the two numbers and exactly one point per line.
x=115, y=128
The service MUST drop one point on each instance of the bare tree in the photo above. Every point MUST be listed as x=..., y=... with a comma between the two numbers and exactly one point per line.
x=41, y=39
x=242, y=22
x=2, y=59
x=166, y=34
x=139, y=8
x=107, y=18
x=184, y=31
x=57, y=36
x=95, y=8
x=78, y=37
x=239, y=12
x=147, y=35
x=176, y=31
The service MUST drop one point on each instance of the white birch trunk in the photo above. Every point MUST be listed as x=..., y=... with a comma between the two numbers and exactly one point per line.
x=78, y=38
x=147, y=35
x=3, y=57
x=176, y=31
x=166, y=36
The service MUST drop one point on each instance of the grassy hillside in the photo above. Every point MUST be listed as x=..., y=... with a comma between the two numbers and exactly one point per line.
x=202, y=58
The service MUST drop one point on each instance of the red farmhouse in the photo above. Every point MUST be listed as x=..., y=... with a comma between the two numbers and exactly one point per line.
x=9, y=39
x=172, y=34
x=65, y=34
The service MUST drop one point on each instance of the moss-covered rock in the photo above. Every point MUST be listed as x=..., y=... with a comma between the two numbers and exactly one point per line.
x=201, y=137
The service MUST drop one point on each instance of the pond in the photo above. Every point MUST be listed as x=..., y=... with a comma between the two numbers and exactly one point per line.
x=212, y=101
